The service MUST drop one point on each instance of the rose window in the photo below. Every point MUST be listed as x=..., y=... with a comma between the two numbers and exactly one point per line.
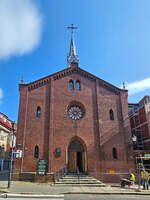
x=75, y=112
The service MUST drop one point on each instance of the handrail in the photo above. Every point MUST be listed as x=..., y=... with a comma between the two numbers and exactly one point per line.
x=59, y=173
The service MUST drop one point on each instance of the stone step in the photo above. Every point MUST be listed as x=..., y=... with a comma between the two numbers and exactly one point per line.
x=83, y=185
x=78, y=181
x=83, y=179
x=76, y=178
x=81, y=176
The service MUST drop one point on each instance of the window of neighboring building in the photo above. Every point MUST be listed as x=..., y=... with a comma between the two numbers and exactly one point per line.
x=38, y=114
x=71, y=85
x=78, y=85
x=36, y=152
x=2, y=151
x=2, y=138
x=111, y=114
x=114, y=153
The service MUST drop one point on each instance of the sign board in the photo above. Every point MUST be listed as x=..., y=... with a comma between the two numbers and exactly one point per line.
x=19, y=153
x=111, y=172
x=10, y=153
x=42, y=167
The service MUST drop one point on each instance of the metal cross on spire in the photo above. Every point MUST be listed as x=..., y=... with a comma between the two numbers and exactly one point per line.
x=72, y=57
x=72, y=27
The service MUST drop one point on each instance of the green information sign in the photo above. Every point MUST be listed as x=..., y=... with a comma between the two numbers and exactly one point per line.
x=42, y=167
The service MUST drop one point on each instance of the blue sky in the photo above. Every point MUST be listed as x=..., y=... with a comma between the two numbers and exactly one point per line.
x=112, y=42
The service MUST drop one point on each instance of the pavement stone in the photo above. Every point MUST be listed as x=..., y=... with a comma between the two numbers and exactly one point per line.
x=20, y=187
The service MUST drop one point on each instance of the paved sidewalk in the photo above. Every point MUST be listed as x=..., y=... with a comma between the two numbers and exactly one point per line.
x=18, y=187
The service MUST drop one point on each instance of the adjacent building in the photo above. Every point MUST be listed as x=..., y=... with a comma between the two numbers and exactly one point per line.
x=139, y=114
x=6, y=138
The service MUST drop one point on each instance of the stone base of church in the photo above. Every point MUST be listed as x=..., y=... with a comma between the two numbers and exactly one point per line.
x=104, y=177
x=113, y=178
x=110, y=178
x=33, y=177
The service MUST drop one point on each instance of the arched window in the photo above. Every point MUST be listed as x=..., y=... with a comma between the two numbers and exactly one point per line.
x=36, y=152
x=78, y=85
x=71, y=85
x=114, y=153
x=38, y=113
x=111, y=114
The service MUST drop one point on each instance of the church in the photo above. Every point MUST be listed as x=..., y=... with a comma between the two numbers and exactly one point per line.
x=73, y=120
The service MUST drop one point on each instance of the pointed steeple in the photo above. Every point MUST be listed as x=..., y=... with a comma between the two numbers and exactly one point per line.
x=72, y=58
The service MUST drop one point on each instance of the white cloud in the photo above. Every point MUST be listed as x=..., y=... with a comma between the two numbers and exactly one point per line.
x=20, y=27
x=138, y=86
x=1, y=95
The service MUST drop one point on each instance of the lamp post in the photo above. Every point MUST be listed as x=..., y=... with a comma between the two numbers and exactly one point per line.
x=11, y=157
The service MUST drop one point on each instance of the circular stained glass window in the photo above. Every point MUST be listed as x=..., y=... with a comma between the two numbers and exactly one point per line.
x=75, y=112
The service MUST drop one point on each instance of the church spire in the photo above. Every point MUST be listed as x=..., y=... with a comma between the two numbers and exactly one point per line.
x=72, y=58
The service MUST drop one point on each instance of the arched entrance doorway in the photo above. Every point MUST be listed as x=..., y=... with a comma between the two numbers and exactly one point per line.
x=77, y=159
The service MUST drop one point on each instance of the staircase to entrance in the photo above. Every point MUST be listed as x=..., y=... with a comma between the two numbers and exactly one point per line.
x=79, y=180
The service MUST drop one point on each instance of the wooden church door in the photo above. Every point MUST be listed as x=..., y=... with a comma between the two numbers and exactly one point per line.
x=72, y=161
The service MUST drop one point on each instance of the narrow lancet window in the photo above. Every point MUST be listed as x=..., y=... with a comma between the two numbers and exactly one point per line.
x=78, y=86
x=71, y=85
x=111, y=114
x=38, y=113
x=114, y=152
x=36, y=152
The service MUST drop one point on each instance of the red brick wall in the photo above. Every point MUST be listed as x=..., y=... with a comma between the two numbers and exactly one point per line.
x=21, y=125
x=63, y=128
x=32, y=131
x=142, y=115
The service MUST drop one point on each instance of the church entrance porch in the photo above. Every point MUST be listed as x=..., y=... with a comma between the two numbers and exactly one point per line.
x=77, y=161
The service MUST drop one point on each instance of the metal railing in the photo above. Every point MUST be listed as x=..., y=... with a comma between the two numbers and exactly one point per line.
x=60, y=173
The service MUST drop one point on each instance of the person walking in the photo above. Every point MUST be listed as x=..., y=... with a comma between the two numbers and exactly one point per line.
x=145, y=179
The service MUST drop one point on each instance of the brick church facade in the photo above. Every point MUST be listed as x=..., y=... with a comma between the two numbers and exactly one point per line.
x=75, y=120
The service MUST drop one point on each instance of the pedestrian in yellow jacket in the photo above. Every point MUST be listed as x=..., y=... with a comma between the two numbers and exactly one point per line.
x=145, y=179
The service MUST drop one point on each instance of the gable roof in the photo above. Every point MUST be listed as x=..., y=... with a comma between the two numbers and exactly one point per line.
x=69, y=71
x=4, y=121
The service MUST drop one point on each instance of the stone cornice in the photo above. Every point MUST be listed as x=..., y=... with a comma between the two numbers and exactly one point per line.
x=75, y=70
x=109, y=87
x=38, y=84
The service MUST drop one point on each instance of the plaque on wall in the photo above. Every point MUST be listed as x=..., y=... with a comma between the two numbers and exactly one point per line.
x=42, y=167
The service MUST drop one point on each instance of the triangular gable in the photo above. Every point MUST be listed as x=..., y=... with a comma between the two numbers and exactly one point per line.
x=89, y=76
x=69, y=71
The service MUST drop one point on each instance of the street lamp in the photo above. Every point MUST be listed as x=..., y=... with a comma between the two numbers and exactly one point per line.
x=11, y=157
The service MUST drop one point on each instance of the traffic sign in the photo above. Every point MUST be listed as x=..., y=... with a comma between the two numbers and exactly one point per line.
x=11, y=153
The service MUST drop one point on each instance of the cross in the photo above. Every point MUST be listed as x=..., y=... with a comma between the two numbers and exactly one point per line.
x=72, y=27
